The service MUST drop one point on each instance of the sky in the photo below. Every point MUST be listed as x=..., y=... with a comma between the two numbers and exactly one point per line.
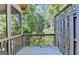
x=41, y=8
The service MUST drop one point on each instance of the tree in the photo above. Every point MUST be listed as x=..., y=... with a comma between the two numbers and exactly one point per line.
x=28, y=22
x=38, y=20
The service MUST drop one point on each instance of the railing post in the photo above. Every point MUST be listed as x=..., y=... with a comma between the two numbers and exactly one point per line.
x=71, y=35
x=66, y=39
x=9, y=27
x=77, y=31
x=54, y=31
x=2, y=47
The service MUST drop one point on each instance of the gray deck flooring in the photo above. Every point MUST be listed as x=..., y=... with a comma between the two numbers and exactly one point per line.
x=37, y=50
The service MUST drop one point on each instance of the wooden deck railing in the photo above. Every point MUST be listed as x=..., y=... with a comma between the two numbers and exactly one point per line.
x=42, y=38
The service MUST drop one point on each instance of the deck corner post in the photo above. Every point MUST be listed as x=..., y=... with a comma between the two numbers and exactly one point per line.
x=9, y=27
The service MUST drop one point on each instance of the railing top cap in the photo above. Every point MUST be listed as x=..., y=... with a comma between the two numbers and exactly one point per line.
x=63, y=9
x=37, y=34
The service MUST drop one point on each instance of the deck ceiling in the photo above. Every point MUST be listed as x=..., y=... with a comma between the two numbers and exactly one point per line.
x=23, y=7
x=2, y=7
x=20, y=7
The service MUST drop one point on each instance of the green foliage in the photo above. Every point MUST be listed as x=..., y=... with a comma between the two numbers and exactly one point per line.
x=33, y=22
x=41, y=40
x=2, y=25
x=15, y=24
x=28, y=23
x=52, y=10
x=38, y=20
x=39, y=24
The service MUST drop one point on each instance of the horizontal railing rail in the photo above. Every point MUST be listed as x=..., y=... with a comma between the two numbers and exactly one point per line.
x=38, y=34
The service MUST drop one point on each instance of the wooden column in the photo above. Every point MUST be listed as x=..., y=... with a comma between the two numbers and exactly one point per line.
x=9, y=26
x=56, y=32
x=77, y=33
x=71, y=35
x=66, y=35
x=77, y=28
x=59, y=33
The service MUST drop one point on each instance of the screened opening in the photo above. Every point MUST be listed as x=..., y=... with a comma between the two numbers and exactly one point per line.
x=15, y=21
x=16, y=44
x=68, y=31
x=3, y=21
x=4, y=47
x=0, y=47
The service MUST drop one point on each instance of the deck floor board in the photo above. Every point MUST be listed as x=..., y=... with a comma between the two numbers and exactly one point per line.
x=37, y=50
